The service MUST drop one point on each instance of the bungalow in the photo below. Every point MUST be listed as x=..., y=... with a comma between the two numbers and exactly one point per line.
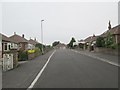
x=115, y=34
x=22, y=42
x=9, y=54
x=115, y=31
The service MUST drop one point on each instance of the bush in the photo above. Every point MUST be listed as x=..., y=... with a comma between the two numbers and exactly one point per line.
x=23, y=55
x=40, y=46
x=81, y=46
x=109, y=41
x=100, y=42
x=115, y=46
x=37, y=51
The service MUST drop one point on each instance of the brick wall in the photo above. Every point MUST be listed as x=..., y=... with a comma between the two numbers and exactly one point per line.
x=106, y=50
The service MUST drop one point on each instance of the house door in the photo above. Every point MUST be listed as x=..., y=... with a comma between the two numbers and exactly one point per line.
x=7, y=62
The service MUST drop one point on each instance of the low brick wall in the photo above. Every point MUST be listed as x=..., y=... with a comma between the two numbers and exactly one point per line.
x=106, y=50
x=31, y=56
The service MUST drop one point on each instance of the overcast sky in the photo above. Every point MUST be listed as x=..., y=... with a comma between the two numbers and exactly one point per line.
x=63, y=20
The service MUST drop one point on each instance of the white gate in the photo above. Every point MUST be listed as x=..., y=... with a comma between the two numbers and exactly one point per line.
x=7, y=62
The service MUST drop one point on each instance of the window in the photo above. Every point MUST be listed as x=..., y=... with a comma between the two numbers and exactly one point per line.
x=9, y=47
x=5, y=46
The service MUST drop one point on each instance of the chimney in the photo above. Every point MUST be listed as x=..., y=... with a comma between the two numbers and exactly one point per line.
x=93, y=35
x=14, y=33
x=109, y=27
x=23, y=35
x=35, y=39
x=30, y=37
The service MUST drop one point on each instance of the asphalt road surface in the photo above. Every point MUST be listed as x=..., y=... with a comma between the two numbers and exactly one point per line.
x=65, y=69
x=68, y=69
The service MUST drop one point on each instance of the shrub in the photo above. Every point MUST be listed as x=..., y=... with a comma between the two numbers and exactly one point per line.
x=81, y=46
x=109, y=41
x=23, y=55
x=115, y=46
x=100, y=42
x=37, y=51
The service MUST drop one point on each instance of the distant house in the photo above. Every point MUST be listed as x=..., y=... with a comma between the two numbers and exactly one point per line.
x=115, y=31
x=90, y=42
x=81, y=41
x=32, y=43
x=31, y=47
x=75, y=43
x=60, y=46
x=81, y=44
x=9, y=53
x=21, y=41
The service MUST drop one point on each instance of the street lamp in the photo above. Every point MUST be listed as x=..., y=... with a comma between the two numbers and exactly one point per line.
x=42, y=36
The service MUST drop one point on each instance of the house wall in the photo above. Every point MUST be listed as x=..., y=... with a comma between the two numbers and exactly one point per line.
x=15, y=59
x=10, y=51
x=118, y=38
x=30, y=46
x=31, y=56
x=23, y=46
x=7, y=61
x=3, y=46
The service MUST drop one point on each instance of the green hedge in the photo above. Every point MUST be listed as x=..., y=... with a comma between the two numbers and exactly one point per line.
x=22, y=56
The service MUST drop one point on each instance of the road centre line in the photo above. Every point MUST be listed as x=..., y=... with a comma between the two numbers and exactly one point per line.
x=101, y=59
x=40, y=73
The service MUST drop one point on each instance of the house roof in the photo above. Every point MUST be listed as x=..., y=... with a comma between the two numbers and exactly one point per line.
x=81, y=41
x=31, y=41
x=91, y=38
x=16, y=38
x=114, y=31
x=4, y=38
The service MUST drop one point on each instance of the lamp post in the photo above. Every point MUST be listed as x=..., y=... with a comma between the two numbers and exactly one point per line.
x=42, y=36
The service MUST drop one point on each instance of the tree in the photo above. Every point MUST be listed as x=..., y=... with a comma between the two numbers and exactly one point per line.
x=105, y=41
x=71, y=42
x=55, y=43
x=100, y=42
x=109, y=40
x=39, y=46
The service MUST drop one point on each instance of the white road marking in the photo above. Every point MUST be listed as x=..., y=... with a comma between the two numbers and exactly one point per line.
x=101, y=59
x=40, y=73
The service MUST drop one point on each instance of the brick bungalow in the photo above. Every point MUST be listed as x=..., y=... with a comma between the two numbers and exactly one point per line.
x=22, y=42
x=115, y=31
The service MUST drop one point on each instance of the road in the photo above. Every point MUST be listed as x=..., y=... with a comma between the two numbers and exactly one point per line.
x=68, y=69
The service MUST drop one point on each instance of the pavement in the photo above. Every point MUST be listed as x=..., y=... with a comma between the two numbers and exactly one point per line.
x=64, y=69
x=109, y=58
